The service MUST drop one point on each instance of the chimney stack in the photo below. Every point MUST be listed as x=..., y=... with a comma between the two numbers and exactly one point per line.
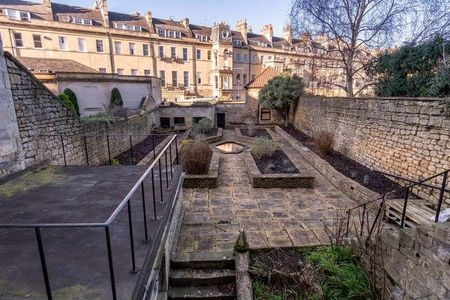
x=287, y=33
x=48, y=10
x=267, y=31
x=103, y=7
x=243, y=28
x=185, y=22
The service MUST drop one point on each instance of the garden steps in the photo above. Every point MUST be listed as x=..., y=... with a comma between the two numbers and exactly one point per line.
x=202, y=275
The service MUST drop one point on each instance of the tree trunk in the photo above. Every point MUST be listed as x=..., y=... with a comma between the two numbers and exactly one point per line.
x=349, y=76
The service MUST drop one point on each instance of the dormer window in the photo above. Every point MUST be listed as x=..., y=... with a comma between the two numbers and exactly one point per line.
x=128, y=27
x=81, y=21
x=17, y=15
x=237, y=43
x=262, y=44
x=173, y=34
x=201, y=38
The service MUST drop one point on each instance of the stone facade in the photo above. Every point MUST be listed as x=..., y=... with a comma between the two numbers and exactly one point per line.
x=42, y=119
x=405, y=137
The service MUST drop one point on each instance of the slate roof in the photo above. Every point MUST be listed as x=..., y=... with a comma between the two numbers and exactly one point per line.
x=262, y=79
x=53, y=65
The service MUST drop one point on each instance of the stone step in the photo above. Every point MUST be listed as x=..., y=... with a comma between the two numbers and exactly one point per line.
x=203, y=260
x=221, y=292
x=201, y=277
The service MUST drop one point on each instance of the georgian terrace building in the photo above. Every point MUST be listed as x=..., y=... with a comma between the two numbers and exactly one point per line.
x=192, y=61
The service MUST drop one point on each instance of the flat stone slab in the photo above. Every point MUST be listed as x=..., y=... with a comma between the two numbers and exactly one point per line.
x=76, y=257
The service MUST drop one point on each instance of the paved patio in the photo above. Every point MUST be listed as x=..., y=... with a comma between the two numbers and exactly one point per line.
x=271, y=217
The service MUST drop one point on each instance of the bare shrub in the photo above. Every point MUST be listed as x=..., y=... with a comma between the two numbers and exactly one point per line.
x=324, y=141
x=196, y=157
x=264, y=147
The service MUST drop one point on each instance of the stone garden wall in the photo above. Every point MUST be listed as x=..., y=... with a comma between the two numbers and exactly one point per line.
x=40, y=114
x=404, y=137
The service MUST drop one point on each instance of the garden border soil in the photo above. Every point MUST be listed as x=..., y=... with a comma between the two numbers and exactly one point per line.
x=205, y=180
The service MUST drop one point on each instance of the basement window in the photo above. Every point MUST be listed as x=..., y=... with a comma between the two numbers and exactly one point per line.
x=266, y=114
x=179, y=121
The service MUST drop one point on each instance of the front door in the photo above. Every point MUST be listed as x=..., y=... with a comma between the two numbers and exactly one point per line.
x=220, y=120
x=165, y=122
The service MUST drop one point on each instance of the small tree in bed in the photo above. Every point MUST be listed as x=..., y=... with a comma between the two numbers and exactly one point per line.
x=280, y=92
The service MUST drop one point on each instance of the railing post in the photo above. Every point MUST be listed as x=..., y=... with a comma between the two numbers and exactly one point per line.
x=441, y=197
x=130, y=225
x=402, y=224
x=167, y=173
x=348, y=222
x=362, y=221
x=86, y=150
x=160, y=181
x=131, y=150
x=144, y=210
x=176, y=149
x=43, y=263
x=109, y=150
x=154, y=194
x=64, y=151
x=110, y=263
x=170, y=160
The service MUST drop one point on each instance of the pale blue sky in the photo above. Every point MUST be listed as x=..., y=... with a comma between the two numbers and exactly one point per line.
x=205, y=12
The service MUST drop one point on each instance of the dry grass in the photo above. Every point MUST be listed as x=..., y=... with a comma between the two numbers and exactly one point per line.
x=196, y=157
x=324, y=141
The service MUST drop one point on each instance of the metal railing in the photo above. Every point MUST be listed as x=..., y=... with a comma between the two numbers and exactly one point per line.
x=442, y=188
x=170, y=161
x=104, y=146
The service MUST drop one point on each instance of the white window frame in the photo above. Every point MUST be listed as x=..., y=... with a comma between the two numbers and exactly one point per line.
x=82, y=45
x=198, y=54
x=39, y=41
x=102, y=70
x=18, y=37
x=199, y=78
x=99, y=46
x=132, y=48
x=17, y=15
x=145, y=49
x=134, y=72
x=173, y=52
x=120, y=71
x=186, y=78
x=161, y=51
x=147, y=72
x=117, y=46
x=185, y=54
x=63, y=43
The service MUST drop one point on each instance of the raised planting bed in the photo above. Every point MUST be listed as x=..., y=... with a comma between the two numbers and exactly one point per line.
x=213, y=135
x=276, y=171
x=139, y=151
x=205, y=180
x=255, y=133
x=371, y=179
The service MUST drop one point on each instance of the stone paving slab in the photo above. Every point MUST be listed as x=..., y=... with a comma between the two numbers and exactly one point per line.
x=272, y=217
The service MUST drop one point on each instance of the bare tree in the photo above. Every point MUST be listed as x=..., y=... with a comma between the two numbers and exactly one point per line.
x=354, y=27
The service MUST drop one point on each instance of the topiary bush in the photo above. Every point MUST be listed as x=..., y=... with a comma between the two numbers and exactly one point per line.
x=65, y=100
x=116, y=98
x=196, y=157
x=73, y=99
x=264, y=147
x=202, y=126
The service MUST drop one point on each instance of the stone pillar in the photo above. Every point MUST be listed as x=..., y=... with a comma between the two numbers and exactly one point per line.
x=11, y=154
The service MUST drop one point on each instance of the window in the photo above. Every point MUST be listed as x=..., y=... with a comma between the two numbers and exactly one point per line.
x=185, y=54
x=254, y=59
x=169, y=33
x=179, y=121
x=63, y=43
x=238, y=57
x=162, y=76
x=102, y=70
x=99, y=44
x=120, y=71
x=199, y=78
x=161, y=51
x=262, y=58
x=186, y=78
x=201, y=38
x=18, y=39
x=216, y=82
x=237, y=43
x=147, y=72
x=132, y=48
x=209, y=55
x=82, y=21
x=173, y=52
x=128, y=27
x=37, y=41
x=82, y=45
x=118, y=47
x=238, y=78
x=266, y=114
x=245, y=58
x=244, y=78
x=134, y=72
x=174, y=78
x=145, y=50
x=17, y=15
x=199, y=53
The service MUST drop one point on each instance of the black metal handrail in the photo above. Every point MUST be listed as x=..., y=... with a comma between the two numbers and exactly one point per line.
x=408, y=188
x=125, y=202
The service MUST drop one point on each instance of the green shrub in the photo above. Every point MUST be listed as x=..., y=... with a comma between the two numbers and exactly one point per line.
x=116, y=98
x=264, y=147
x=342, y=276
x=65, y=100
x=196, y=157
x=73, y=99
x=202, y=126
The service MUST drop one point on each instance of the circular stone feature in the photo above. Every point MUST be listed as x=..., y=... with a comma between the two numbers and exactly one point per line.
x=231, y=147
